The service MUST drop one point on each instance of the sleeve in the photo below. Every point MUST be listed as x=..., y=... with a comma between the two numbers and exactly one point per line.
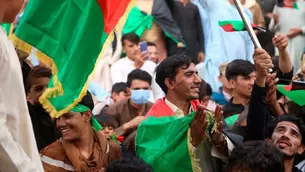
x=272, y=26
x=257, y=115
x=12, y=158
x=115, y=73
x=199, y=30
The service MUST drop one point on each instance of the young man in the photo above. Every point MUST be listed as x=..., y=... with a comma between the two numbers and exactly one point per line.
x=80, y=148
x=153, y=54
x=135, y=59
x=224, y=93
x=241, y=75
x=287, y=134
x=255, y=156
x=44, y=128
x=18, y=151
x=178, y=78
x=130, y=112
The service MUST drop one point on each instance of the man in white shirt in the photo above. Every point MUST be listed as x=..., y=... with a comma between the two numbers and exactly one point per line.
x=18, y=150
x=135, y=59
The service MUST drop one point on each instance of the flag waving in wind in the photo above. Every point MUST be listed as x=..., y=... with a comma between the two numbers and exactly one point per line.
x=69, y=36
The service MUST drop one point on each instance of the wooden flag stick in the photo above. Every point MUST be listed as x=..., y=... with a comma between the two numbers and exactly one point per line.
x=248, y=26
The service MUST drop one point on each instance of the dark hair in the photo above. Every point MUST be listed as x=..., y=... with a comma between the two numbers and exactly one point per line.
x=169, y=67
x=239, y=67
x=106, y=120
x=138, y=74
x=288, y=118
x=151, y=44
x=205, y=90
x=255, y=156
x=36, y=72
x=119, y=87
x=132, y=37
x=87, y=101
x=128, y=165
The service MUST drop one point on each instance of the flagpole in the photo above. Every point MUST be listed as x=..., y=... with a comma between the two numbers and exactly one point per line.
x=248, y=26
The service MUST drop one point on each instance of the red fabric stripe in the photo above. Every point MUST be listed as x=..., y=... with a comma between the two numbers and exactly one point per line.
x=112, y=10
x=228, y=28
x=288, y=87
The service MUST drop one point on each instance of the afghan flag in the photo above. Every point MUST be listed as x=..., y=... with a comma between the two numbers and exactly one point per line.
x=69, y=36
x=8, y=28
x=163, y=142
x=237, y=25
x=139, y=21
x=290, y=4
x=295, y=92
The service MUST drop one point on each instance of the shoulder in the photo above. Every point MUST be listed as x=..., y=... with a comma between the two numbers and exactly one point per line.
x=116, y=107
x=119, y=62
x=53, y=150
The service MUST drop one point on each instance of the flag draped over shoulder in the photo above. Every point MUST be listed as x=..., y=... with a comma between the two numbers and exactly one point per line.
x=139, y=21
x=163, y=142
x=69, y=36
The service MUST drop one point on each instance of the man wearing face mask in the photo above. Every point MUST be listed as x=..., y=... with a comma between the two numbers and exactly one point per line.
x=130, y=113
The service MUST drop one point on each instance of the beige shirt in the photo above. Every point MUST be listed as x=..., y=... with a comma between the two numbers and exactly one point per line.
x=18, y=150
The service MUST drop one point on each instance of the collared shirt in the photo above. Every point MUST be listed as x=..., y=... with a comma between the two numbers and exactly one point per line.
x=178, y=112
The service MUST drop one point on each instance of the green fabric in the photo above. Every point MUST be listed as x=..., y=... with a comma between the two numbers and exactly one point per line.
x=80, y=108
x=297, y=96
x=237, y=24
x=162, y=142
x=137, y=22
x=72, y=34
x=295, y=5
x=96, y=125
x=231, y=120
x=7, y=27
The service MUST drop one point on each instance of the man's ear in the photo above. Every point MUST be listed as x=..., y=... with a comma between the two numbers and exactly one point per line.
x=87, y=115
x=268, y=140
x=169, y=84
x=301, y=149
x=232, y=83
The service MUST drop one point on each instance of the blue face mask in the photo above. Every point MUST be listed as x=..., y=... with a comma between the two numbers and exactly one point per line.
x=140, y=96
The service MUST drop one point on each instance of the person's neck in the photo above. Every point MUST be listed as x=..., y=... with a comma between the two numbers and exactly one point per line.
x=228, y=91
x=288, y=164
x=85, y=143
x=140, y=108
x=182, y=104
x=237, y=99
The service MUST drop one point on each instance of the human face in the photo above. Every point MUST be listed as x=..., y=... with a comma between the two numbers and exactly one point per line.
x=13, y=8
x=120, y=96
x=139, y=85
x=186, y=83
x=153, y=54
x=38, y=86
x=287, y=138
x=131, y=49
x=243, y=86
x=107, y=131
x=73, y=125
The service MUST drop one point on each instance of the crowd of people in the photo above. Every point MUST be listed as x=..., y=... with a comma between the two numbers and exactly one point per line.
x=246, y=118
